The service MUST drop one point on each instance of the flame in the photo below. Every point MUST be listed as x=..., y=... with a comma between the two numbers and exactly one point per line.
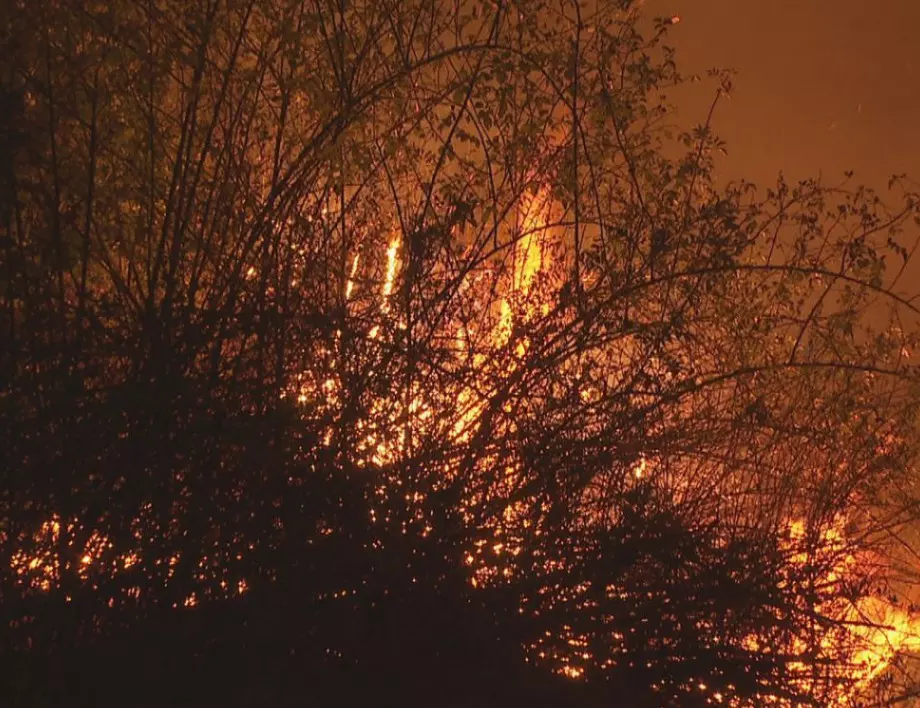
x=392, y=267
x=350, y=284
x=872, y=630
x=877, y=629
x=527, y=262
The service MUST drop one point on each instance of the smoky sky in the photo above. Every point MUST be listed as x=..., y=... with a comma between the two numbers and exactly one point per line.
x=823, y=86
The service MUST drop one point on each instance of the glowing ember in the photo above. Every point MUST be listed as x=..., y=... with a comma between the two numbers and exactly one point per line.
x=492, y=345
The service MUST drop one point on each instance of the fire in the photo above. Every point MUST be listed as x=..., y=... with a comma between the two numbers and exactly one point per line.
x=492, y=346
x=350, y=285
x=527, y=261
x=887, y=631
x=875, y=628
x=392, y=266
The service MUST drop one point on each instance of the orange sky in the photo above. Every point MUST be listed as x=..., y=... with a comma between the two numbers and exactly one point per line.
x=824, y=85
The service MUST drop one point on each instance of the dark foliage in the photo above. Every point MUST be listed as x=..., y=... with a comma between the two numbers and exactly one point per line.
x=291, y=415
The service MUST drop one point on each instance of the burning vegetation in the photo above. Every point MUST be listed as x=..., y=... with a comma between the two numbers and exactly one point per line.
x=358, y=318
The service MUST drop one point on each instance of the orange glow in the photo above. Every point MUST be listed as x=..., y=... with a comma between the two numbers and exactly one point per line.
x=350, y=285
x=392, y=267
x=492, y=346
x=873, y=628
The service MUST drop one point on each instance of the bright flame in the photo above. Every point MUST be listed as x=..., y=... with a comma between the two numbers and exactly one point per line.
x=878, y=629
x=392, y=267
x=350, y=285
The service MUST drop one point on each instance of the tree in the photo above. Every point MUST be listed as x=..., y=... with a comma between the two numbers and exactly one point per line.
x=316, y=314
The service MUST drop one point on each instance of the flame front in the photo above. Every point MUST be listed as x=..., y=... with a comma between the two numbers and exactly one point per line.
x=492, y=347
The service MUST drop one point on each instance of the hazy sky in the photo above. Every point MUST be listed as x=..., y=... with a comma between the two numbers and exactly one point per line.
x=824, y=85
